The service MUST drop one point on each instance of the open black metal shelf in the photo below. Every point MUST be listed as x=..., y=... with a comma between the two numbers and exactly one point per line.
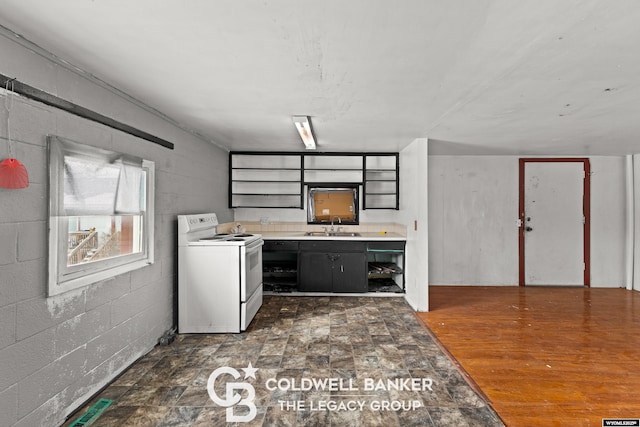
x=306, y=176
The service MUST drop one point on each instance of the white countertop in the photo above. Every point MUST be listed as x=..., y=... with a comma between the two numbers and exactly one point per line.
x=300, y=235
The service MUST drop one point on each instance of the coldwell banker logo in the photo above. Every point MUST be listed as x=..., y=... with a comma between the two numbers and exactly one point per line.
x=232, y=398
x=241, y=394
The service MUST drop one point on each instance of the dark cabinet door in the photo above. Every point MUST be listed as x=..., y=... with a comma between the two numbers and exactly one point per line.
x=333, y=272
x=315, y=272
x=349, y=272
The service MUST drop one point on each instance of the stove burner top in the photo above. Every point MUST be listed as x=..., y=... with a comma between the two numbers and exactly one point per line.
x=228, y=237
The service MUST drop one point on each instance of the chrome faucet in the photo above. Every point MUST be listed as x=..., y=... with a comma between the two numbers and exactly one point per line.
x=339, y=222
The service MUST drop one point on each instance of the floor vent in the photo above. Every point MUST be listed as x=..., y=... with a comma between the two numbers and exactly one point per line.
x=93, y=413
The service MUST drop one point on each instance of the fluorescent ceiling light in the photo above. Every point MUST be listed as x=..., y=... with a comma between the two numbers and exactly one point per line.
x=304, y=129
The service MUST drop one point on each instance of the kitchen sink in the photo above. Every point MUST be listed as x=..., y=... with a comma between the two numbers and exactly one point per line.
x=332, y=233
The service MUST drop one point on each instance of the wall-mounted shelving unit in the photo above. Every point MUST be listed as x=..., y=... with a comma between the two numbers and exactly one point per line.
x=277, y=179
x=333, y=168
x=265, y=181
x=381, y=183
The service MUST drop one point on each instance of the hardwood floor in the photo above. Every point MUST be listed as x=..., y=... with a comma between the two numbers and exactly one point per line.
x=545, y=356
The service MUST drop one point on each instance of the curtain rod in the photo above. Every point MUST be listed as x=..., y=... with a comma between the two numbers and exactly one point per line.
x=46, y=98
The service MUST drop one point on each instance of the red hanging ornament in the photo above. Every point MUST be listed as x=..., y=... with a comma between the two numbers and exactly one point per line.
x=13, y=174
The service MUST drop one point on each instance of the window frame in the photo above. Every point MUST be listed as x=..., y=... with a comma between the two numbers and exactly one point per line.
x=63, y=278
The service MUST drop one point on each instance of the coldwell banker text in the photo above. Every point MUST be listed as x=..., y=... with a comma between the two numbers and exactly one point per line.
x=349, y=385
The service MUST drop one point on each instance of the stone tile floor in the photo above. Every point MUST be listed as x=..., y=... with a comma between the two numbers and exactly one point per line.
x=367, y=348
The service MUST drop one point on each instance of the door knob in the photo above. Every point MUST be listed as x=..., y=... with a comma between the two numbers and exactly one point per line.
x=528, y=229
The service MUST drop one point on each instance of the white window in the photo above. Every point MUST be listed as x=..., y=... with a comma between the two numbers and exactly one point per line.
x=100, y=214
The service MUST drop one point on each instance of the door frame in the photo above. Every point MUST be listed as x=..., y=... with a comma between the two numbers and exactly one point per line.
x=586, y=211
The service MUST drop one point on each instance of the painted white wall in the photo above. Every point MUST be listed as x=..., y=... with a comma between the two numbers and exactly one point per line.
x=608, y=221
x=414, y=204
x=636, y=222
x=473, y=208
x=630, y=222
x=57, y=352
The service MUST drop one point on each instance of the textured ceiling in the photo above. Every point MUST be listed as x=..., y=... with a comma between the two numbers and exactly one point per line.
x=474, y=76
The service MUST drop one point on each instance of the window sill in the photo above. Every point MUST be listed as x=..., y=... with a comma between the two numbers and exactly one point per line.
x=58, y=287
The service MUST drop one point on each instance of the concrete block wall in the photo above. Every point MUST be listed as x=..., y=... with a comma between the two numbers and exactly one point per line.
x=57, y=352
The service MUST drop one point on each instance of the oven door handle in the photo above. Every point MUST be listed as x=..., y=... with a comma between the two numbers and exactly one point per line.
x=255, y=246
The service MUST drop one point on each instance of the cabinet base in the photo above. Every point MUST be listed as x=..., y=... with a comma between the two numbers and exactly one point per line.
x=336, y=294
x=387, y=286
x=280, y=288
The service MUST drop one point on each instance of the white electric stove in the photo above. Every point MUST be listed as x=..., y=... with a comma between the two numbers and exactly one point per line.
x=219, y=276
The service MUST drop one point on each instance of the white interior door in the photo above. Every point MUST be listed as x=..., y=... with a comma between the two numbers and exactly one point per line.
x=553, y=223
